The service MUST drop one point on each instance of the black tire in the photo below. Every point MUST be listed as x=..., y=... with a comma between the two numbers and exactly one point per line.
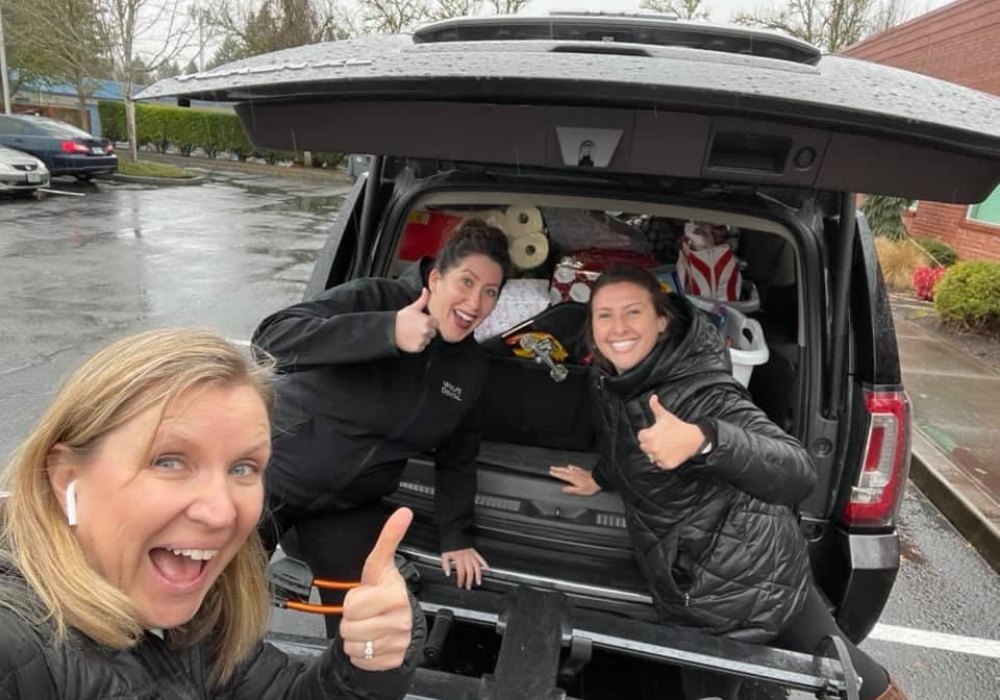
x=84, y=178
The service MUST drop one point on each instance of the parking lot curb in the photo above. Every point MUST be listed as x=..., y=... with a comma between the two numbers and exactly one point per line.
x=960, y=499
x=160, y=181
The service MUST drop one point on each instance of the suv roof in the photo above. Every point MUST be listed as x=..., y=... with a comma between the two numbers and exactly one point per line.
x=841, y=124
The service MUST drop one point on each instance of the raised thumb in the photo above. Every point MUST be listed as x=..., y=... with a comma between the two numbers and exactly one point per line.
x=657, y=408
x=421, y=303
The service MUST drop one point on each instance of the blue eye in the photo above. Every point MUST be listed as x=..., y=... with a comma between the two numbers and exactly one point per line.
x=245, y=469
x=168, y=463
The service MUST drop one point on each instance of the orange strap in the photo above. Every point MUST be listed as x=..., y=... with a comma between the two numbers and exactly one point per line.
x=311, y=608
x=335, y=585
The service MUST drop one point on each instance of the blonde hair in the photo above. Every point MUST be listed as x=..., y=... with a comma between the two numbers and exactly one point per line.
x=121, y=381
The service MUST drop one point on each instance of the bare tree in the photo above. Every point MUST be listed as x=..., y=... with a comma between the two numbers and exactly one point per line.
x=888, y=14
x=270, y=25
x=160, y=26
x=829, y=24
x=446, y=9
x=26, y=64
x=393, y=16
x=682, y=9
x=508, y=7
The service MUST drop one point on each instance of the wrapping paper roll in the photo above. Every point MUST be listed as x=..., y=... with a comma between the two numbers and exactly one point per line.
x=523, y=221
x=529, y=251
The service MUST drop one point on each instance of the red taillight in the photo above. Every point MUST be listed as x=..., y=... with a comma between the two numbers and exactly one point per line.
x=110, y=148
x=74, y=147
x=877, y=494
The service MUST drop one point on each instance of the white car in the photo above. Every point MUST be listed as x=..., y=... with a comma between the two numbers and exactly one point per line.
x=21, y=172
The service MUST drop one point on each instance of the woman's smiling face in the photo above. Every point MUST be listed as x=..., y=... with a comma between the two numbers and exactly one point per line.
x=464, y=295
x=625, y=324
x=166, y=500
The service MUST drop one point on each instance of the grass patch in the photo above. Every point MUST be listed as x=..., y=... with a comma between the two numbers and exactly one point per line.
x=142, y=168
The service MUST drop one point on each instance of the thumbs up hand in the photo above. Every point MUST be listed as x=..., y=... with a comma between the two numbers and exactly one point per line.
x=377, y=624
x=669, y=442
x=414, y=328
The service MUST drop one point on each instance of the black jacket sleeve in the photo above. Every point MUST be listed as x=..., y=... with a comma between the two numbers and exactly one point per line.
x=455, y=483
x=753, y=454
x=601, y=472
x=270, y=674
x=24, y=668
x=354, y=322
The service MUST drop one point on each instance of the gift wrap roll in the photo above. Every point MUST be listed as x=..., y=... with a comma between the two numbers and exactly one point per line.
x=529, y=251
x=523, y=221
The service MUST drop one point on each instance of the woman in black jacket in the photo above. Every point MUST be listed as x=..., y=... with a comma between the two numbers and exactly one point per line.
x=708, y=482
x=130, y=565
x=376, y=371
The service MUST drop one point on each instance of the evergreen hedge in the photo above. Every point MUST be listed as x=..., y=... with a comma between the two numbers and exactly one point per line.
x=186, y=129
x=969, y=294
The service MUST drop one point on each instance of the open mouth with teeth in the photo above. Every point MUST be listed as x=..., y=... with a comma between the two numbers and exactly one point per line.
x=463, y=320
x=181, y=567
x=623, y=345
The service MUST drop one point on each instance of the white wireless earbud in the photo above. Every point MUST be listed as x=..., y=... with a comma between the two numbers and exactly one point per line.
x=71, y=503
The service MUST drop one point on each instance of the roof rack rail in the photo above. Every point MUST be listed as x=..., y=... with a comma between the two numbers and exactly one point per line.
x=630, y=28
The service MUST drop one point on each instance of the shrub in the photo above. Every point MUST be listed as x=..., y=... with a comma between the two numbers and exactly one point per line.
x=939, y=252
x=112, y=119
x=898, y=260
x=925, y=279
x=969, y=295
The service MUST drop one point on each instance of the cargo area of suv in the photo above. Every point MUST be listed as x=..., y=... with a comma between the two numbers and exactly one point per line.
x=602, y=138
x=527, y=528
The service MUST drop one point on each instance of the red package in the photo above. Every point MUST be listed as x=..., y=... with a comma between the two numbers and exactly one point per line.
x=425, y=233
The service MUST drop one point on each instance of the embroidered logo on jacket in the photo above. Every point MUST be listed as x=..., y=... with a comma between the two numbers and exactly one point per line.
x=451, y=391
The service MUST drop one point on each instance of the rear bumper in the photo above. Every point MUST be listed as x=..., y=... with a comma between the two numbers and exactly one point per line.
x=873, y=563
x=84, y=165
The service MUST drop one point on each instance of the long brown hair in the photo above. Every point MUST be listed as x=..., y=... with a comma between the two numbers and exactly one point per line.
x=112, y=387
x=663, y=305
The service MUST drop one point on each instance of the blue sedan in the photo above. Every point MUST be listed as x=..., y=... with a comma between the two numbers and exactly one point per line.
x=64, y=148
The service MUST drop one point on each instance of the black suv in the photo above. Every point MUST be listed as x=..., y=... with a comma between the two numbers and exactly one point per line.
x=631, y=127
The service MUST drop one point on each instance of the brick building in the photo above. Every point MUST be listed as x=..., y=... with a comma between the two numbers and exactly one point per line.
x=959, y=43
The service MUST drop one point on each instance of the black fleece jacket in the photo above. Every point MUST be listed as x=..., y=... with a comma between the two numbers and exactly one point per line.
x=34, y=667
x=716, y=538
x=352, y=407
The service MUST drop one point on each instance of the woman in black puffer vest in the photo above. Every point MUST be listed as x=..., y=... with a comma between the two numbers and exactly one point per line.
x=707, y=480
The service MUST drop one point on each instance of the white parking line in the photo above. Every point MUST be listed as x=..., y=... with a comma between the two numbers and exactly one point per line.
x=979, y=646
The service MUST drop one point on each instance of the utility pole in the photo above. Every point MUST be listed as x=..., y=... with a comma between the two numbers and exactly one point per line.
x=201, y=38
x=4, y=77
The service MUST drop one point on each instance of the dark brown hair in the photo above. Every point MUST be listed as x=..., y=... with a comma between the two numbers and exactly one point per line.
x=475, y=237
x=642, y=278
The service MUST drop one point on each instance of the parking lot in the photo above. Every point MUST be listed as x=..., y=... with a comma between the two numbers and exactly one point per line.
x=77, y=271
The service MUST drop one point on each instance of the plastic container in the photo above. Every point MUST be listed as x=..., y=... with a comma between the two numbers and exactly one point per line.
x=748, y=349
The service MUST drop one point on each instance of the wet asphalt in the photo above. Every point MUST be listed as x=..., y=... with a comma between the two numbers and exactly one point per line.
x=79, y=271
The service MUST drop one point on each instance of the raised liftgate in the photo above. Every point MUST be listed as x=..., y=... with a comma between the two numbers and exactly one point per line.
x=545, y=637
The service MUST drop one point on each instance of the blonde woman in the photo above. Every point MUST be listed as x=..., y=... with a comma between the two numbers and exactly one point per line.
x=129, y=561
